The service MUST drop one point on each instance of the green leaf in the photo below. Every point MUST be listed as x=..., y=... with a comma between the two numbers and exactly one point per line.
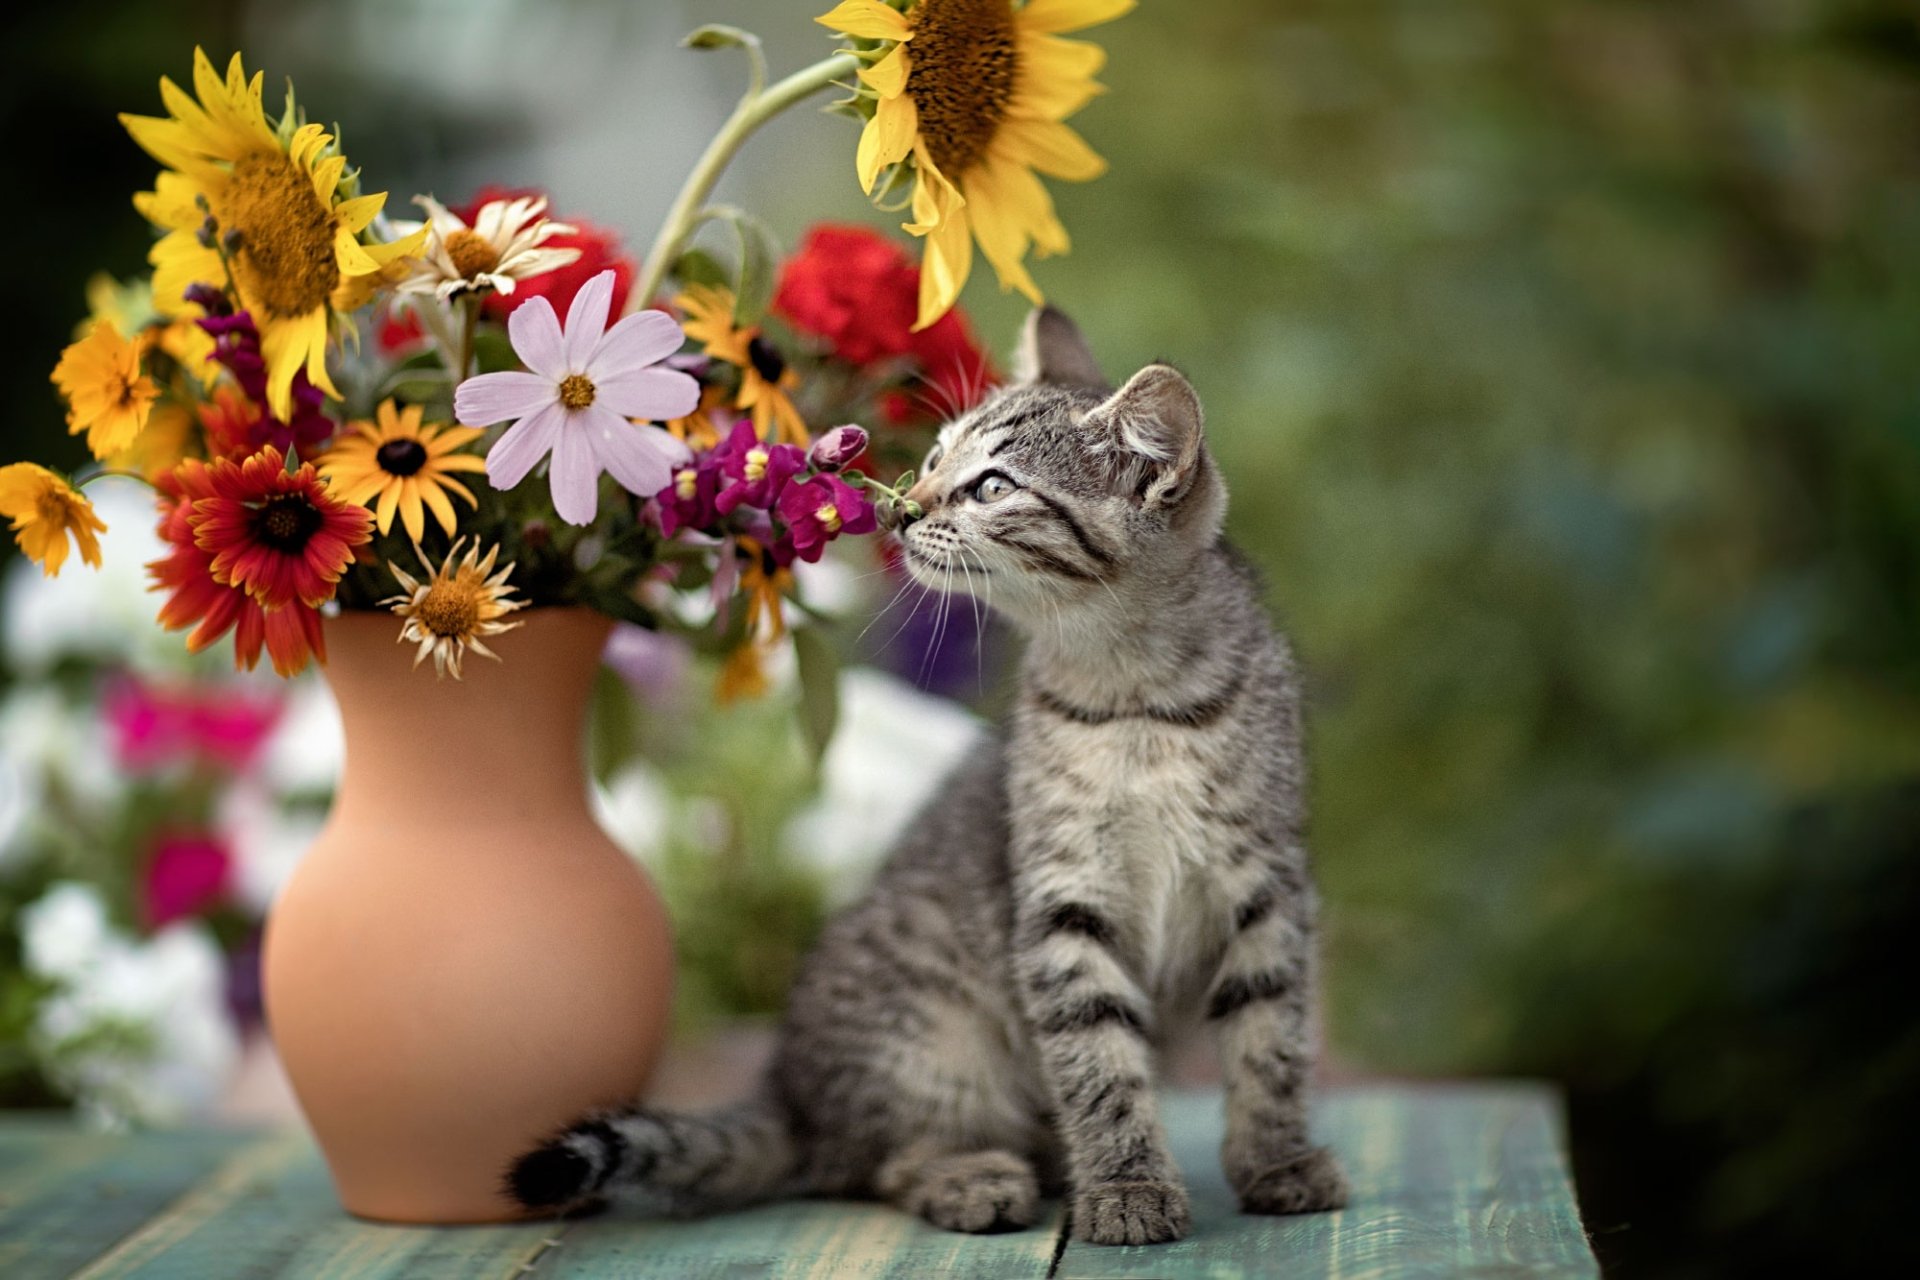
x=819, y=689
x=697, y=266
x=754, y=280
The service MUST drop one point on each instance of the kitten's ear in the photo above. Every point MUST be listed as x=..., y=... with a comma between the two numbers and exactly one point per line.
x=1153, y=427
x=1053, y=351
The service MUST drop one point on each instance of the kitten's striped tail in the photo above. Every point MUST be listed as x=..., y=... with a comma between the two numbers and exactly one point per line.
x=688, y=1164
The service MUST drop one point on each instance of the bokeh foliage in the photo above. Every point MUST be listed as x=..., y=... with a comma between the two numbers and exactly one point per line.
x=1561, y=357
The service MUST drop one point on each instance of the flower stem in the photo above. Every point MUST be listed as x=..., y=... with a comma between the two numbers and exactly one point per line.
x=755, y=109
x=81, y=482
x=469, y=321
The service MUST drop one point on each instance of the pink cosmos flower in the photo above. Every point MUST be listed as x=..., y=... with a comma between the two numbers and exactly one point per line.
x=582, y=385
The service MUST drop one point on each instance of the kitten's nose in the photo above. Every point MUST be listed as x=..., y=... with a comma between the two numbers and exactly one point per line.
x=922, y=492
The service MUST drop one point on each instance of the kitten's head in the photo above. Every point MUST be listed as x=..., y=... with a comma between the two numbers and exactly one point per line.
x=1057, y=491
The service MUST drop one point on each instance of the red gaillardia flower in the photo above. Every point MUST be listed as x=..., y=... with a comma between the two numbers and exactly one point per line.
x=275, y=534
x=290, y=635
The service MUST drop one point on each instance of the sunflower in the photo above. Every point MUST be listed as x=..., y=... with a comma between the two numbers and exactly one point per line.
x=275, y=210
x=401, y=463
x=45, y=510
x=457, y=605
x=974, y=93
x=107, y=395
x=766, y=380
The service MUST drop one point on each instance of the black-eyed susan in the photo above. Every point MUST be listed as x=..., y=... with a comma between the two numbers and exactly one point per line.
x=45, y=511
x=767, y=381
x=238, y=194
x=398, y=463
x=972, y=95
x=108, y=397
x=455, y=607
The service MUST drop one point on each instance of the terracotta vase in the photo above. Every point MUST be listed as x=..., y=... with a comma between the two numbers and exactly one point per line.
x=463, y=961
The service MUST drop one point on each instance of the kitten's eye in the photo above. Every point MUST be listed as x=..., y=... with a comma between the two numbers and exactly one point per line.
x=933, y=458
x=992, y=487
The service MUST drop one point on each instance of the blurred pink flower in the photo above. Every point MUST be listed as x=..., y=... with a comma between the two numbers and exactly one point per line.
x=185, y=874
x=153, y=728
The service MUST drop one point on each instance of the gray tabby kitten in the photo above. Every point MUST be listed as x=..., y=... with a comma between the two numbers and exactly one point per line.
x=1124, y=863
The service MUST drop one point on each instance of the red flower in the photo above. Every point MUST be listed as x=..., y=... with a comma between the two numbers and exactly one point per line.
x=599, y=251
x=853, y=287
x=861, y=292
x=290, y=635
x=277, y=535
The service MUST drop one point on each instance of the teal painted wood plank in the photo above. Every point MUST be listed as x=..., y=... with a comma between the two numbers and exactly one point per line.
x=270, y=1212
x=797, y=1240
x=66, y=1196
x=1449, y=1180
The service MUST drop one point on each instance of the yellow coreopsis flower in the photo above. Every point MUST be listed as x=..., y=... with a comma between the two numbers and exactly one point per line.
x=131, y=309
x=107, y=395
x=45, y=510
x=293, y=244
x=767, y=381
x=974, y=94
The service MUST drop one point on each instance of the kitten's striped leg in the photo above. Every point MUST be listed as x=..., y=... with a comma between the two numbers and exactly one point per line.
x=1260, y=1006
x=1090, y=1027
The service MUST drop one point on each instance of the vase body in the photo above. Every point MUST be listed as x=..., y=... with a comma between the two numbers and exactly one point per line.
x=463, y=961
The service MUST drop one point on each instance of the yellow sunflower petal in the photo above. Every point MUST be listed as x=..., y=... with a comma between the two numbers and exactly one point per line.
x=1071, y=15
x=1051, y=147
x=888, y=77
x=1000, y=223
x=1051, y=58
x=867, y=19
x=944, y=267
x=887, y=138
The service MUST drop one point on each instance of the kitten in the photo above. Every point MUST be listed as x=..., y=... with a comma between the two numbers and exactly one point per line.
x=1123, y=863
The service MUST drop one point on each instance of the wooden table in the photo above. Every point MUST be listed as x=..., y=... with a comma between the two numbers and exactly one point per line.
x=1449, y=1180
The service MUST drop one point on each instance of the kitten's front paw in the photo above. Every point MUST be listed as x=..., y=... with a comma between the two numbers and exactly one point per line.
x=1310, y=1182
x=1132, y=1213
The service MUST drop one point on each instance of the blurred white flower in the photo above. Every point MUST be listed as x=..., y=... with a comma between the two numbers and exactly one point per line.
x=307, y=748
x=892, y=748
x=64, y=933
x=55, y=743
x=103, y=614
x=19, y=797
x=634, y=807
x=268, y=840
x=143, y=1035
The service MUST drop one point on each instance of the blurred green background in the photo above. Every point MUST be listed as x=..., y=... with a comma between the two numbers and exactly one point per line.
x=1562, y=360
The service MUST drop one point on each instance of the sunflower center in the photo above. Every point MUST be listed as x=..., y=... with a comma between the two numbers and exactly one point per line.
x=471, y=253
x=284, y=255
x=285, y=524
x=766, y=359
x=962, y=61
x=452, y=607
x=576, y=391
x=401, y=457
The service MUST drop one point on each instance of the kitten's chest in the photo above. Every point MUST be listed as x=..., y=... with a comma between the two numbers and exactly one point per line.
x=1136, y=806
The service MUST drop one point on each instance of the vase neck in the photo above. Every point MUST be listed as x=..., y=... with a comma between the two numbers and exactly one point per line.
x=504, y=742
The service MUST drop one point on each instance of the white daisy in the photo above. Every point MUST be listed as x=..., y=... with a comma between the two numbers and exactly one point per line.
x=501, y=248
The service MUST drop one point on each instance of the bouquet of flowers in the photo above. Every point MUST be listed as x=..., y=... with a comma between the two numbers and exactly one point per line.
x=489, y=408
